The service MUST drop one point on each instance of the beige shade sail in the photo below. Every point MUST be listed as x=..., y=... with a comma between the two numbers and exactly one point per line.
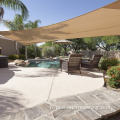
x=101, y=22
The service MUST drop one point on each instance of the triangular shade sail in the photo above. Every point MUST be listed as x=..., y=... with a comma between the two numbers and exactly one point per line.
x=101, y=22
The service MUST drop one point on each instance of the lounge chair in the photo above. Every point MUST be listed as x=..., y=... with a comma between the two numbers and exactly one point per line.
x=93, y=63
x=74, y=63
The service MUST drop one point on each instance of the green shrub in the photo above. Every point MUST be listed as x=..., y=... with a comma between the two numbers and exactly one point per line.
x=32, y=51
x=114, y=74
x=21, y=56
x=48, y=52
x=13, y=57
x=105, y=63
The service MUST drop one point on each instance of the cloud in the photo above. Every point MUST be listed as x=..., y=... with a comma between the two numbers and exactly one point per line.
x=3, y=28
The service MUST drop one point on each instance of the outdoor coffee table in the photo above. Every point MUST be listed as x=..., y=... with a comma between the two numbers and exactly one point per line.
x=63, y=60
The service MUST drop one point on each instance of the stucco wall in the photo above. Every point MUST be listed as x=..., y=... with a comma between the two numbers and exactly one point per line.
x=8, y=47
x=115, y=54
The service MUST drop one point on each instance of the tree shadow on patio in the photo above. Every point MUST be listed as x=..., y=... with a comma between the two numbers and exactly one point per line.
x=91, y=74
x=5, y=75
x=41, y=73
x=88, y=73
x=10, y=102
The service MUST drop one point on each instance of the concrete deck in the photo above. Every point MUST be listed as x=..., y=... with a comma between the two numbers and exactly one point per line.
x=37, y=85
x=23, y=89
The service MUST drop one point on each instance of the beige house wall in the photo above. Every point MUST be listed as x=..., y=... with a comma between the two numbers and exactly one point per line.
x=9, y=47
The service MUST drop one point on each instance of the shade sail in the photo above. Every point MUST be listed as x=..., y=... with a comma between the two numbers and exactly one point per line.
x=101, y=22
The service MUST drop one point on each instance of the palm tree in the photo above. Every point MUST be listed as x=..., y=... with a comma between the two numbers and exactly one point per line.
x=15, y=5
x=18, y=24
x=32, y=24
x=15, y=25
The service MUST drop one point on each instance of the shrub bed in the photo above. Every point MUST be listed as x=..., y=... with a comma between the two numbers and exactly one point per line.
x=14, y=57
x=105, y=63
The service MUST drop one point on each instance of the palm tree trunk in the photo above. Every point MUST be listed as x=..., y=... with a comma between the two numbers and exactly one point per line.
x=16, y=47
x=1, y=13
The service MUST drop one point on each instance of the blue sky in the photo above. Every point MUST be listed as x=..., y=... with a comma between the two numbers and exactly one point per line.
x=54, y=11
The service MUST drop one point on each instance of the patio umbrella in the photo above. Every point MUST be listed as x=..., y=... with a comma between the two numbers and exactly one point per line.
x=64, y=44
x=0, y=50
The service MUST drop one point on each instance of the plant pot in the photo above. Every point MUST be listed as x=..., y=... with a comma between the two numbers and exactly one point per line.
x=105, y=79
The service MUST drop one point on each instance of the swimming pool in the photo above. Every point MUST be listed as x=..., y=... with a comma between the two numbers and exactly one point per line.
x=44, y=63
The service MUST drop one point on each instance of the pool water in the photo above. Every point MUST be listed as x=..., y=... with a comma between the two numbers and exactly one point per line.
x=45, y=64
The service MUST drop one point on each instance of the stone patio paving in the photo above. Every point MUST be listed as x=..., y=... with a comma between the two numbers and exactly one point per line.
x=49, y=94
x=94, y=105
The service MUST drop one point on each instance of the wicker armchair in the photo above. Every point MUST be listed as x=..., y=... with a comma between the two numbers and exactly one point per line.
x=93, y=63
x=74, y=62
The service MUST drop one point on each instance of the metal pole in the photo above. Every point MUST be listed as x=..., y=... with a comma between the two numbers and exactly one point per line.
x=35, y=50
x=26, y=55
x=16, y=46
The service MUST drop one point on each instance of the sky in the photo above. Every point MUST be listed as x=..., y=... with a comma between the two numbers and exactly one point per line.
x=54, y=11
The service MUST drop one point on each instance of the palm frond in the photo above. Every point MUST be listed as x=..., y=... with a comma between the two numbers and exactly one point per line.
x=16, y=5
x=16, y=24
x=31, y=24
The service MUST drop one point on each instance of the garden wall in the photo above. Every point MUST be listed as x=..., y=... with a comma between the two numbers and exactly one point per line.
x=8, y=47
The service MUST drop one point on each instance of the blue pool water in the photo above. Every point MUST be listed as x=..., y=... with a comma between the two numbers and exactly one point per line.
x=45, y=64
